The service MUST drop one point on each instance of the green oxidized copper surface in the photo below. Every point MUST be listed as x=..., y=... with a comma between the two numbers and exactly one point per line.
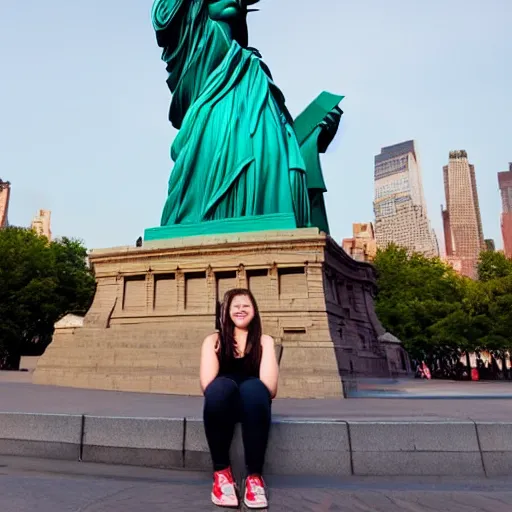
x=315, y=128
x=239, y=158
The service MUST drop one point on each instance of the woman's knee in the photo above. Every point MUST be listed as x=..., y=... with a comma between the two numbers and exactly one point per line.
x=221, y=391
x=254, y=392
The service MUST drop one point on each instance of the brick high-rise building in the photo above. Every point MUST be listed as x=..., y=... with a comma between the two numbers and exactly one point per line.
x=362, y=246
x=505, y=182
x=5, y=192
x=400, y=208
x=462, y=222
x=41, y=224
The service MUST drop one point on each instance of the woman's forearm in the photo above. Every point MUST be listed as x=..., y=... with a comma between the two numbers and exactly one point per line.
x=269, y=368
x=270, y=383
x=209, y=365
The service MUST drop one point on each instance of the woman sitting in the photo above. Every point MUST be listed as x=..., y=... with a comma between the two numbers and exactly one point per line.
x=238, y=375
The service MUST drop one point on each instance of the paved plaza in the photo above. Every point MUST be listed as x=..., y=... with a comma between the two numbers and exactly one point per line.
x=432, y=429
x=482, y=402
x=50, y=486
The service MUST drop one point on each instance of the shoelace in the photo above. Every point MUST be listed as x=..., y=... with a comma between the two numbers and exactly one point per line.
x=256, y=486
x=226, y=486
x=228, y=490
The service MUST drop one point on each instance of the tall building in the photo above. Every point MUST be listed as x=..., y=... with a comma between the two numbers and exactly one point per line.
x=505, y=182
x=462, y=222
x=490, y=245
x=41, y=224
x=400, y=208
x=5, y=192
x=362, y=246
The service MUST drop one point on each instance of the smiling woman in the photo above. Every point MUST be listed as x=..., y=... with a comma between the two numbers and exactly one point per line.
x=238, y=375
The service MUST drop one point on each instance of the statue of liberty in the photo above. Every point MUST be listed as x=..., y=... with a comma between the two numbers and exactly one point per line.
x=236, y=153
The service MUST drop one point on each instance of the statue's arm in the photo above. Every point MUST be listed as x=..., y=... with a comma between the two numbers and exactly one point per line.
x=232, y=15
x=224, y=10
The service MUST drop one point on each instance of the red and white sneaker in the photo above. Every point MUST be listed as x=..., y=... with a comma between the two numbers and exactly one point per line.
x=224, y=491
x=255, y=495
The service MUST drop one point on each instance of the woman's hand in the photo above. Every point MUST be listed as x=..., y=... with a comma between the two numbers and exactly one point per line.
x=269, y=368
x=209, y=366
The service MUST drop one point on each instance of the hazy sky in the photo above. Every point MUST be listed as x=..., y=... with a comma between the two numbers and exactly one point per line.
x=83, y=102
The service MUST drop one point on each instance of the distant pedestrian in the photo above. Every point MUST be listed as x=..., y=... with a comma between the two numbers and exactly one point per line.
x=426, y=370
x=238, y=376
x=423, y=371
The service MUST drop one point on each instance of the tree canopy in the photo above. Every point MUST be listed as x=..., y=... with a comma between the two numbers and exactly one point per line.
x=438, y=314
x=40, y=281
x=493, y=265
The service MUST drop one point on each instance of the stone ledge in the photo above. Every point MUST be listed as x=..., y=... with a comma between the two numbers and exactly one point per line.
x=417, y=436
x=496, y=446
x=40, y=449
x=319, y=448
x=296, y=446
x=402, y=448
x=417, y=463
x=495, y=436
x=52, y=436
x=152, y=442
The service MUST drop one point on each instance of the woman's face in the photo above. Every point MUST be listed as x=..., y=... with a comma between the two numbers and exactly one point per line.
x=241, y=311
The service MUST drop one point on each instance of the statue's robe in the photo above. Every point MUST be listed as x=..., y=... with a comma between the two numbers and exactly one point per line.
x=236, y=153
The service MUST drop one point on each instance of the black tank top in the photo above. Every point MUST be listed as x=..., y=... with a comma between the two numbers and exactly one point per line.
x=237, y=367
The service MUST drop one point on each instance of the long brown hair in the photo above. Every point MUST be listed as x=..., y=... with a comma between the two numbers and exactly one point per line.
x=227, y=350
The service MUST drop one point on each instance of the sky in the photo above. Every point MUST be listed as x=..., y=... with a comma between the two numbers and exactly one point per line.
x=84, y=103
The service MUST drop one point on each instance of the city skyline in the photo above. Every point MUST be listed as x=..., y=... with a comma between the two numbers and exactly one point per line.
x=91, y=141
x=399, y=207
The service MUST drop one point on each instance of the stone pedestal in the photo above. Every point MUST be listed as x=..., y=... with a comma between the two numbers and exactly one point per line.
x=155, y=304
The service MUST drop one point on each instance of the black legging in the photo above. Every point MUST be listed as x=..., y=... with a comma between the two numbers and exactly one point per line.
x=228, y=400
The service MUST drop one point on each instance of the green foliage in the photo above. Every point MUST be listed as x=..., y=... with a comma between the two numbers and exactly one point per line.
x=493, y=265
x=439, y=314
x=39, y=283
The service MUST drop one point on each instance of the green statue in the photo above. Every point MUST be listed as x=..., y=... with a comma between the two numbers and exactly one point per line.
x=237, y=152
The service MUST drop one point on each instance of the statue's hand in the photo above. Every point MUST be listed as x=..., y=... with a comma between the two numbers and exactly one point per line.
x=332, y=119
x=329, y=128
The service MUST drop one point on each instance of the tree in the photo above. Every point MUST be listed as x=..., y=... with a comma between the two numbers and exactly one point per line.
x=498, y=293
x=440, y=315
x=414, y=294
x=39, y=283
x=493, y=265
x=495, y=283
